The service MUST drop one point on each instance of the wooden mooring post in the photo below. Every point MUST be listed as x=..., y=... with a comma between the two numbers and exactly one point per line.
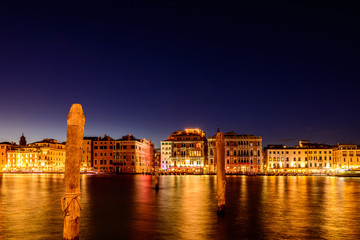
x=71, y=202
x=220, y=164
x=157, y=179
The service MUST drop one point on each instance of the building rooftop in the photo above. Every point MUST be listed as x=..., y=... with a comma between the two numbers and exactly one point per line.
x=232, y=134
x=303, y=144
x=91, y=138
x=8, y=143
x=128, y=138
x=47, y=140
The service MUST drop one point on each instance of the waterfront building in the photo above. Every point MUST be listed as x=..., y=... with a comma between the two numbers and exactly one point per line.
x=166, y=151
x=102, y=154
x=157, y=160
x=347, y=156
x=51, y=155
x=188, y=151
x=23, y=159
x=4, y=148
x=132, y=155
x=87, y=155
x=305, y=157
x=47, y=155
x=243, y=153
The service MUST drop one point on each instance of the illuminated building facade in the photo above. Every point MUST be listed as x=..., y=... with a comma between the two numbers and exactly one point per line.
x=305, y=157
x=51, y=155
x=347, y=156
x=4, y=148
x=157, y=160
x=24, y=159
x=188, y=150
x=47, y=155
x=166, y=151
x=243, y=153
x=87, y=156
x=133, y=155
x=102, y=154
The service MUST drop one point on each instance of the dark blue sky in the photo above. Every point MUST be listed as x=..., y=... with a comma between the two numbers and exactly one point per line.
x=283, y=71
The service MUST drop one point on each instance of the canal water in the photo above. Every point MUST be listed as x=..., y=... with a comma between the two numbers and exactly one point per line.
x=128, y=207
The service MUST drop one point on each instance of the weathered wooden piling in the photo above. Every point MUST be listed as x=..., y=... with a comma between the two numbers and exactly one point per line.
x=220, y=164
x=157, y=175
x=71, y=202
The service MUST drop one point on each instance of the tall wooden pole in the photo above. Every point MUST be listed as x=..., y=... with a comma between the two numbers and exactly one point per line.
x=220, y=163
x=74, y=141
x=157, y=179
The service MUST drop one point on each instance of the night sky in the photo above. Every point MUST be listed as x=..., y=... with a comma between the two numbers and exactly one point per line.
x=283, y=71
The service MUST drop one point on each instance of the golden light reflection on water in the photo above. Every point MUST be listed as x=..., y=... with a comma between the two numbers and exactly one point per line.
x=19, y=193
x=184, y=207
x=195, y=219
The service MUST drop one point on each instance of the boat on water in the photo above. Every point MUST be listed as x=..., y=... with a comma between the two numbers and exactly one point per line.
x=348, y=173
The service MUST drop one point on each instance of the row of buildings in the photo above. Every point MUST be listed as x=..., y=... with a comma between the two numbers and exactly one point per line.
x=188, y=151
x=191, y=151
x=311, y=157
x=100, y=154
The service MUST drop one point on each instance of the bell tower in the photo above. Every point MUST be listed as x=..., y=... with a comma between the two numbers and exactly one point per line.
x=22, y=141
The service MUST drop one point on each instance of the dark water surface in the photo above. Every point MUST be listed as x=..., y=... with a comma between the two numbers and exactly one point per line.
x=128, y=207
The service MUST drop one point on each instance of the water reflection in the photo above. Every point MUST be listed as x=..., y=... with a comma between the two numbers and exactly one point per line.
x=184, y=207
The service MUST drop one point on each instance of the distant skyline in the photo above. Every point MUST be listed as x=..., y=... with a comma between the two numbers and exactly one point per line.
x=282, y=71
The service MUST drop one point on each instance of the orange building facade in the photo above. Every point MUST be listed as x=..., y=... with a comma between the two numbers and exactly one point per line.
x=133, y=155
x=102, y=154
x=4, y=148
